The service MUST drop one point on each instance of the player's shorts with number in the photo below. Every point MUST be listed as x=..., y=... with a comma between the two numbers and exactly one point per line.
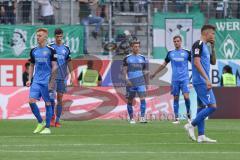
x=205, y=96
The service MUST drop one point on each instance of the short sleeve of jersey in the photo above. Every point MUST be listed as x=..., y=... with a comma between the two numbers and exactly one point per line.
x=167, y=59
x=197, y=49
x=125, y=62
x=53, y=54
x=189, y=55
x=32, y=59
x=69, y=54
x=145, y=65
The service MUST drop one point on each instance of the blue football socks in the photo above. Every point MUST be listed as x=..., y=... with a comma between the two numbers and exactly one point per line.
x=143, y=107
x=202, y=115
x=130, y=110
x=59, y=112
x=36, y=112
x=48, y=115
x=176, y=107
x=187, y=103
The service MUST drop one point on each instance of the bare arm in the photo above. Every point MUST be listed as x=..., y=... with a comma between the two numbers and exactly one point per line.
x=146, y=76
x=125, y=68
x=160, y=68
x=213, y=55
x=198, y=65
x=53, y=75
x=31, y=68
x=125, y=72
x=70, y=67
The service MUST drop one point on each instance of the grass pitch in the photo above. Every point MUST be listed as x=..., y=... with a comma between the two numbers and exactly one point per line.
x=117, y=140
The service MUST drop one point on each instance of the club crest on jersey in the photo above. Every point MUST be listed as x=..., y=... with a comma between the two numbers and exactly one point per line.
x=182, y=54
x=63, y=51
x=196, y=51
x=45, y=53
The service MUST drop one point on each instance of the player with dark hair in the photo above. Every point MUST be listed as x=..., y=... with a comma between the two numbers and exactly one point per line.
x=134, y=67
x=64, y=64
x=180, y=78
x=201, y=60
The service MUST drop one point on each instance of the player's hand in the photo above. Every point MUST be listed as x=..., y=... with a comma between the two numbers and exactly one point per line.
x=209, y=85
x=129, y=83
x=152, y=76
x=28, y=83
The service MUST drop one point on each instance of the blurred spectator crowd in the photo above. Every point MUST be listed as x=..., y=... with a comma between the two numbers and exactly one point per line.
x=59, y=11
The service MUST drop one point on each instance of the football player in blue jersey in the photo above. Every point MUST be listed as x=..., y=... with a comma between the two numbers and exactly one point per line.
x=43, y=63
x=180, y=78
x=64, y=64
x=202, y=57
x=134, y=69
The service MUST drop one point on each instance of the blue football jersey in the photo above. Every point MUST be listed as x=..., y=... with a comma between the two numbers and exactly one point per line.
x=63, y=56
x=42, y=58
x=179, y=62
x=136, y=65
x=200, y=49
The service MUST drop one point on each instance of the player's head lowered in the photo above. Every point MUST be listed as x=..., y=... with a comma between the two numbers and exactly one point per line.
x=58, y=35
x=42, y=35
x=208, y=33
x=177, y=40
x=135, y=44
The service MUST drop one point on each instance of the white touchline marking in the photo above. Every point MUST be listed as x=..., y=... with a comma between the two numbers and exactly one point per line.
x=114, y=144
x=99, y=135
x=114, y=152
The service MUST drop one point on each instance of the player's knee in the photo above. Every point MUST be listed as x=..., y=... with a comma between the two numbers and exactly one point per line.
x=130, y=101
x=59, y=103
x=142, y=98
x=48, y=103
x=59, y=99
x=186, y=96
x=176, y=98
x=31, y=100
x=213, y=105
x=59, y=95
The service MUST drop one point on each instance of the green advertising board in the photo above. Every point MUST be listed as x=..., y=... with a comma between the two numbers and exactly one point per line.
x=16, y=41
x=167, y=25
x=227, y=38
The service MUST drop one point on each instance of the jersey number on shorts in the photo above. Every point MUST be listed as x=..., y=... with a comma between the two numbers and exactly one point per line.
x=208, y=95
